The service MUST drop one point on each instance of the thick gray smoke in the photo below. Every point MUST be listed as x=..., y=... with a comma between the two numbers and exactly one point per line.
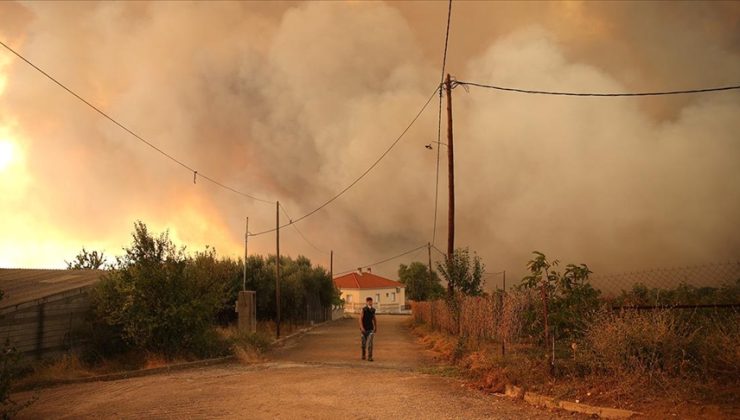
x=294, y=101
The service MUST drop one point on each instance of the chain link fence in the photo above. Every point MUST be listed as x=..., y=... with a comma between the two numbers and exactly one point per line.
x=714, y=275
x=592, y=334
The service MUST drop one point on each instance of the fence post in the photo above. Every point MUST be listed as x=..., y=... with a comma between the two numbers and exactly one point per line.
x=544, y=311
x=503, y=336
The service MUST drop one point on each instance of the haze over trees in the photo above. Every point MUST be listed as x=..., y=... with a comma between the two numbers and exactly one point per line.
x=419, y=285
x=463, y=273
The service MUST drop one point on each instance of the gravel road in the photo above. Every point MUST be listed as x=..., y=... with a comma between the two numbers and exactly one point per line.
x=316, y=376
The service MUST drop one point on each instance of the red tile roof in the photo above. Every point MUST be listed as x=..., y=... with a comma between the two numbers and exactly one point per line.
x=365, y=281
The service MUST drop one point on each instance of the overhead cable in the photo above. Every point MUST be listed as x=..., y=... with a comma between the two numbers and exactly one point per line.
x=439, y=250
x=595, y=94
x=385, y=260
x=290, y=220
x=367, y=171
x=132, y=133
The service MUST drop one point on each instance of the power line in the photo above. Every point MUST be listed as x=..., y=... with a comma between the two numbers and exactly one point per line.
x=195, y=172
x=138, y=137
x=596, y=94
x=385, y=260
x=285, y=211
x=439, y=121
x=438, y=250
x=352, y=184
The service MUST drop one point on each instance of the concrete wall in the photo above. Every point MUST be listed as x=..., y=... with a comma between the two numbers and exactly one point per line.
x=246, y=307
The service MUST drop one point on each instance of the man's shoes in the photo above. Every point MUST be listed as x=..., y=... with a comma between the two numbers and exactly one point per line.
x=369, y=359
x=363, y=357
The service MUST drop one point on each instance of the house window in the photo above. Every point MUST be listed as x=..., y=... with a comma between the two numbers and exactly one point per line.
x=393, y=297
x=349, y=298
x=386, y=295
x=377, y=297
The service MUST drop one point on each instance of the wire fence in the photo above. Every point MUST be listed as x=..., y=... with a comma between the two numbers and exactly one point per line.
x=714, y=275
x=690, y=285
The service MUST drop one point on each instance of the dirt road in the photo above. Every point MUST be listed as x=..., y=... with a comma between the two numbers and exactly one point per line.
x=317, y=376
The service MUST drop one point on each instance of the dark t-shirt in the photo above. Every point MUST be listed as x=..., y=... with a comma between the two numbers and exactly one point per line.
x=368, y=314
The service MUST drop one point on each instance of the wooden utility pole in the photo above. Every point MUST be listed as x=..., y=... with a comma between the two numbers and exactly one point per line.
x=451, y=178
x=331, y=265
x=246, y=240
x=277, y=267
x=503, y=303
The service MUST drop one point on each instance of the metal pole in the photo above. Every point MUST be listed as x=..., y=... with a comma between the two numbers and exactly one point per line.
x=450, y=178
x=277, y=267
x=246, y=240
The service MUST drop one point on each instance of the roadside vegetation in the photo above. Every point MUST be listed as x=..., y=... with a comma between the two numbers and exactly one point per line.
x=555, y=334
x=420, y=284
x=160, y=304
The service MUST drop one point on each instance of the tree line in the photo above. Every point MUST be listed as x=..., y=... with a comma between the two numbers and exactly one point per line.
x=159, y=297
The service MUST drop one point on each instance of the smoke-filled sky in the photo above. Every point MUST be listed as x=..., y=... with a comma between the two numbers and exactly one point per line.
x=293, y=101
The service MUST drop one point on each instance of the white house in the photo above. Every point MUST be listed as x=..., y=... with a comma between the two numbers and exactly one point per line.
x=389, y=296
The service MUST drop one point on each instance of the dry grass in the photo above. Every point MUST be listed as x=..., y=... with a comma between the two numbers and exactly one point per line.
x=246, y=347
x=66, y=367
x=656, y=362
x=247, y=355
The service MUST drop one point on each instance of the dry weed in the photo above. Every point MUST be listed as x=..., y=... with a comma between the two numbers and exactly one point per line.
x=68, y=366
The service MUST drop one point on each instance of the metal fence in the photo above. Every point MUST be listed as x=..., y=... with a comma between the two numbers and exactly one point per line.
x=708, y=275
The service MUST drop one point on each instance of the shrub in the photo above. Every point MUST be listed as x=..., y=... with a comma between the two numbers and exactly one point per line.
x=463, y=274
x=571, y=300
x=159, y=300
x=302, y=285
x=654, y=343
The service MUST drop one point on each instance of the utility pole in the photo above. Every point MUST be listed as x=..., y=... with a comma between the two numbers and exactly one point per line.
x=246, y=240
x=429, y=253
x=503, y=302
x=277, y=267
x=451, y=178
x=331, y=265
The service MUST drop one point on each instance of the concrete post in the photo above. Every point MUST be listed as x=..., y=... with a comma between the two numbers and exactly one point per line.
x=246, y=306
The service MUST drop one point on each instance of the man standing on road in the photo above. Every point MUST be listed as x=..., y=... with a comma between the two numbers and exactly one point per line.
x=368, y=326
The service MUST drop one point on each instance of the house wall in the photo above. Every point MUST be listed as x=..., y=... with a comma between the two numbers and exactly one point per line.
x=384, y=304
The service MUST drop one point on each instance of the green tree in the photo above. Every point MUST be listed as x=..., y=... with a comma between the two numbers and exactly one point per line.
x=87, y=260
x=570, y=298
x=158, y=299
x=419, y=286
x=303, y=287
x=463, y=274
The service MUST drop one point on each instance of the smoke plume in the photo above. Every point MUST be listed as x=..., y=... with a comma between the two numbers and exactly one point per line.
x=292, y=102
